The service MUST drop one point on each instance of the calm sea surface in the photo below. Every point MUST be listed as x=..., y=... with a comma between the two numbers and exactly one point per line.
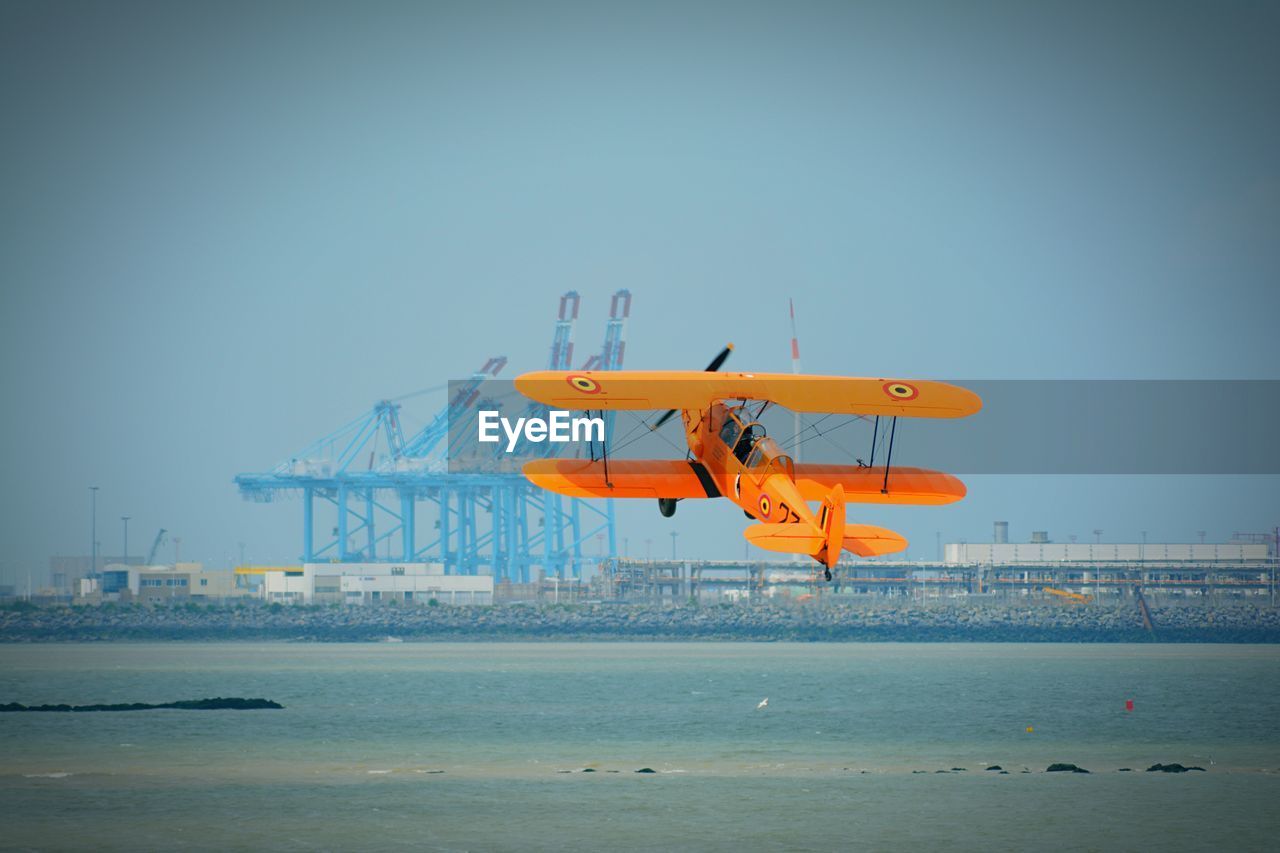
x=355, y=760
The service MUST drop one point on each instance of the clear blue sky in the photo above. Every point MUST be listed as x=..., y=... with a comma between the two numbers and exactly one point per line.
x=230, y=227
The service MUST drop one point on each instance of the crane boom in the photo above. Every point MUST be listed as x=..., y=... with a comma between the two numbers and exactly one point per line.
x=155, y=546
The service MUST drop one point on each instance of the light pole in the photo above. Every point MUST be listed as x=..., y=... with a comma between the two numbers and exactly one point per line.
x=125, y=519
x=673, y=544
x=93, y=536
x=1097, y=536
x=648, y=550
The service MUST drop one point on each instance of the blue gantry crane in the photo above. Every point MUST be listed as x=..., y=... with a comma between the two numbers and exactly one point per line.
x=383, y=489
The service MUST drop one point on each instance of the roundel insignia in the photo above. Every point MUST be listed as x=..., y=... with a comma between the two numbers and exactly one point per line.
x=737, y=486
x=765, y=506
x=585, y=384
x=901, y=390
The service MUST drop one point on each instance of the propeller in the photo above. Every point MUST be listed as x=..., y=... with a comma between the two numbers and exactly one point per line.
x=715, y=365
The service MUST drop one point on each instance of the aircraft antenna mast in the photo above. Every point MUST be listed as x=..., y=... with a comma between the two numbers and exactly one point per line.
x=795, y=368
x=796, y=426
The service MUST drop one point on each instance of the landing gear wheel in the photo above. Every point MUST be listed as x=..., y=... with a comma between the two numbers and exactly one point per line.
x=826, y=574
x=667, y=506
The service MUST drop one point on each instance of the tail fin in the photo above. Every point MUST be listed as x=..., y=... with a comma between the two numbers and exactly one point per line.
x=823, y=543
x=831, y=520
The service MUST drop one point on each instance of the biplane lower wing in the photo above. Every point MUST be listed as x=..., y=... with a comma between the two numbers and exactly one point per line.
x=916, y=486
x=865, y=540
x=624, y=478
x=672, y=478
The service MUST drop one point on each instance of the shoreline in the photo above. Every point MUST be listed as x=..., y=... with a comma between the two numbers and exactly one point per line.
x=904, y=623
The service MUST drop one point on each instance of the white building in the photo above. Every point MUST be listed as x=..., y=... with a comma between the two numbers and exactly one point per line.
x=375, y=583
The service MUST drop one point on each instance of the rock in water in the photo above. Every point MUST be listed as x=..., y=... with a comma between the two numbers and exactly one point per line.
x=233, y=703
x=995, y=767
x=1064, y=768
x=1172, y=768
x=646, y=770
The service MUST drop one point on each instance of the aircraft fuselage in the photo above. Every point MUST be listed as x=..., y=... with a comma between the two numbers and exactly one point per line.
x=746, y=466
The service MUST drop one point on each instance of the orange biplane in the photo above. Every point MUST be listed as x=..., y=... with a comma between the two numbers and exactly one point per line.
x=730, y=455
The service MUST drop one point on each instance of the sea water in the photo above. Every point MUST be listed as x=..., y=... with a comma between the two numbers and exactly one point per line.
x=483, y=746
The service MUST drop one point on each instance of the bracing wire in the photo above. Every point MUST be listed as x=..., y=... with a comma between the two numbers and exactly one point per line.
x=429, y=390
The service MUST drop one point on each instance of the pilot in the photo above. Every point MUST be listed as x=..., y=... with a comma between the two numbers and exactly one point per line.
x=749, y=437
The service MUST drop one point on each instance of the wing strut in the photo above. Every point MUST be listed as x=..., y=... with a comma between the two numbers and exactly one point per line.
x=604, y=454
x=893, y=429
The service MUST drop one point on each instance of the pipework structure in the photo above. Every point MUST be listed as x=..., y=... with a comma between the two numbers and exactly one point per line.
x=394, y=499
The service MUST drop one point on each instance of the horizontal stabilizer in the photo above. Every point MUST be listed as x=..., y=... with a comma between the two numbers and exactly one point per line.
x=787, y=538
x=868, y=541
x=865, y=540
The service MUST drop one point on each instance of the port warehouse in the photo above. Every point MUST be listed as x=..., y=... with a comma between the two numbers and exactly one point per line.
x=121, y=582
x=310, y=583
x=371, y=583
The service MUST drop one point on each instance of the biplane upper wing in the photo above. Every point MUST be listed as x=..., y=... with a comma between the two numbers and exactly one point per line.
x=695, y=390
x=624, y=478
x=917, y=486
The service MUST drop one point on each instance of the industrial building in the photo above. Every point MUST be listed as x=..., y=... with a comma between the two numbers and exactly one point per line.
x=370, y=583
x=1005, y=554
x=66, y=572
x=1245, y=568
x=186, y=581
